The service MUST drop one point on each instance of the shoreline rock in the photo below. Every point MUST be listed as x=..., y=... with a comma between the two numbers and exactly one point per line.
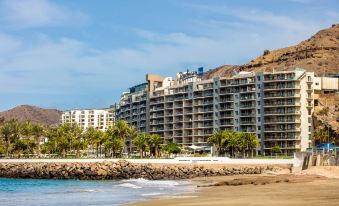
x=118, y=170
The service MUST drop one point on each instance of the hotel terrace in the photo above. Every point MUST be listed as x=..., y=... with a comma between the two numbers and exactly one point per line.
x=276, y=106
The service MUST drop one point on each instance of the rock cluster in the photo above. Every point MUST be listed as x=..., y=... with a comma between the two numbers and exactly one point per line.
x=116, y=170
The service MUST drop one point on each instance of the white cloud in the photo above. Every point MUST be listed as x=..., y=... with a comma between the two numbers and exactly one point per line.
x=73, y=69
x=8, y=44
x=36, y=13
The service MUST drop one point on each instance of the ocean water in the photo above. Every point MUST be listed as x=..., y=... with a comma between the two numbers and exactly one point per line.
x=29, y=192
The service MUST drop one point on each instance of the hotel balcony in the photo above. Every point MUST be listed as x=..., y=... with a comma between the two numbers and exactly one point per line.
x=280, y=95
x=248, y=90
x=281, y=121
x=247, y=98
x=282, y=104
x=282, y=138
x=276, y=87
x=247, y=122
x=226, y=108
x=272, y=113
x=276, y=129
x=279, y=79
x=248, y=114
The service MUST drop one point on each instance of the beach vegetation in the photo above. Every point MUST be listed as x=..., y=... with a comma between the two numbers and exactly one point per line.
x=234, y=143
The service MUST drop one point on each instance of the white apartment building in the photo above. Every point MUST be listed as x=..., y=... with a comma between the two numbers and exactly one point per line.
x=277, y=106
x=97, y=118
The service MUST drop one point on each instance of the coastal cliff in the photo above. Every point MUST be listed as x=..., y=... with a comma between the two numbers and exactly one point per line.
x=119, y=170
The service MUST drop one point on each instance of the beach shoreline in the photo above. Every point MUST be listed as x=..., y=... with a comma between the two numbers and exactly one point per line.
x=316, y=186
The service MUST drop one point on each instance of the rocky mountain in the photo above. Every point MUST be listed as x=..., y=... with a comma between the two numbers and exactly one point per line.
x=319, y=54
x=34, y=114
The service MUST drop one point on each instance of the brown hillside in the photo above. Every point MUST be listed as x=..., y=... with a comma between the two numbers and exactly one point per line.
x=34, y=114
x=319, y=54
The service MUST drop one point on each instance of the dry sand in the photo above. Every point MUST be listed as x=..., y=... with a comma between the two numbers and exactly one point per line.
x=316, y=186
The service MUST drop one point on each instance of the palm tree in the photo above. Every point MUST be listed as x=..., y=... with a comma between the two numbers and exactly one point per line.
x=132, y=135
x=91, y=138
x=242, y=143
x=115, y=141
x=155, y=140
x=6, y=134
x=64, y=138
x=218, y=139
x=141, y=143
x=233, y=141
x=122, y=130
x=252, y=142
x=38, y=131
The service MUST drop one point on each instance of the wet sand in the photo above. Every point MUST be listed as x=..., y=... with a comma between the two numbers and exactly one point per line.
x=306, y=188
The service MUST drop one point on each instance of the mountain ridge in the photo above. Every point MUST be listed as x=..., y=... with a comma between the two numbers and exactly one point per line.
x=49, y=117
x=318, y=54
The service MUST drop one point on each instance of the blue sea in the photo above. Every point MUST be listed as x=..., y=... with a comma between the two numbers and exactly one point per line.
x=29, y=192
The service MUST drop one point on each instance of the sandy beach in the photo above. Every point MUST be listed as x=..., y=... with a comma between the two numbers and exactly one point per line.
x=316, y=186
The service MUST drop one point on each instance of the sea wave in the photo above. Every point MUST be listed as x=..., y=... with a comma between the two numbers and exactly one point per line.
x=152, y=194
x=129, y=185
x=163, y=183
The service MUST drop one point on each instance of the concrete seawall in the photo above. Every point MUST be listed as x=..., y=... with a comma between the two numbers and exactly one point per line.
x=121, y=169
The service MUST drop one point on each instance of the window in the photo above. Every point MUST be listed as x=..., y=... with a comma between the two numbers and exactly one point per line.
x=310, y=120
x=236, y=112
x=258, y=103
x=259, y=127
x=258, y=95
x=258, y=111
x=259, y=119
x=258, y=78
x=309, y=128
x=259, y=136
x=310, y=137
x=258, y=86
x=309, y=112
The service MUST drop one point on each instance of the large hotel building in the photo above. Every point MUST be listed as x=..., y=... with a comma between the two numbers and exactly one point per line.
x=277, y=106
x=85, y=118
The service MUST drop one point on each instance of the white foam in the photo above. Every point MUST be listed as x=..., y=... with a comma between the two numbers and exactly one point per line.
x=130, y=185
x=152, y=194
x=145, y=182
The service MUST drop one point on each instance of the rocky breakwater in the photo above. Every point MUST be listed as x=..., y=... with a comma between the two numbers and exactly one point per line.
x=117, y=170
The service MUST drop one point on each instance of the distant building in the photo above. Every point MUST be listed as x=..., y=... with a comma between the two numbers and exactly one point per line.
x=96, y=118
x=277, y=106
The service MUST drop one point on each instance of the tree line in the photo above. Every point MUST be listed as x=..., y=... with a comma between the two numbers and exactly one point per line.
x=23, y=138
x=233, y=142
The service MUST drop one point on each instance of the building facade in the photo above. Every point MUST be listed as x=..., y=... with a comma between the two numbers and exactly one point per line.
x=276, y=106
x=85, y=118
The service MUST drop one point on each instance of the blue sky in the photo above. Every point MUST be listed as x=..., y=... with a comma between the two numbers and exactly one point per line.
x=83, y=53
